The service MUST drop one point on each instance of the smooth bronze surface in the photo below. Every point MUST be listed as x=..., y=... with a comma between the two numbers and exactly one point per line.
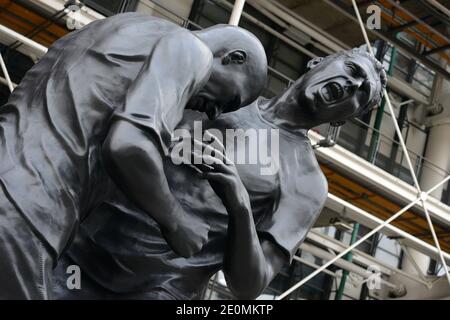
x=87, y=138
x=129, y=71
x=252, y=223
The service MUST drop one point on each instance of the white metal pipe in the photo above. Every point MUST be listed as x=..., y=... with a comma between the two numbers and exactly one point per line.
x=388, y=102
x=237, y=12
x=350, y=248
x=256, y=4
x=379, y=179
x=360, y=258
x=290, y=19
x=423, y=196
x=357, y=243
x=313, y=265
x=28, y=42
x=357, y=214
x=309, y=24
x=288, y=28
x=329, y=43
x=412, y=257
x=341, y=263
x=405, y=102
x=5, y=82
x=439, y=6
x=6, y=73
x=401, y=140
x=436, y=241
x=420, y=21
x=271, y=31
x=437, y=152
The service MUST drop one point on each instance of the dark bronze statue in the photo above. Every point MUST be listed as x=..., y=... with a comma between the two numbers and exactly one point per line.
x=107, y=98
x=253, y=223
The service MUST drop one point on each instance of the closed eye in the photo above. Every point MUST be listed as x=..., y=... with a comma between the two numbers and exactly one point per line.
x=352, y=68
x=355, y=70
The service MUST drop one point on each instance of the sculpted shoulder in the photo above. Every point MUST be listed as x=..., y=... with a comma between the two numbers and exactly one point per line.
x=133, y=25
x=320, y=181
x=141, y=22
x=195, y=50
x=309, y=179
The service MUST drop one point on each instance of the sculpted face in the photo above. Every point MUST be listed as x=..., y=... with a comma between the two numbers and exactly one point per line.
x=335, y=89
x=228, y=86
x=238, y=74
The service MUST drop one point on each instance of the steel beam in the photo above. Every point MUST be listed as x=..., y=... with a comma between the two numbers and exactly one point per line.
x=345, y=9
x=349, y=212
x=36, y=48
x=432, y=51
x=236, y=13
x=389, y=185
x=341, y=263
x=402, y=27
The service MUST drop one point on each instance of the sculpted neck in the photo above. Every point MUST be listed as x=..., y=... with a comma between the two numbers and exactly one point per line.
x=285, y=112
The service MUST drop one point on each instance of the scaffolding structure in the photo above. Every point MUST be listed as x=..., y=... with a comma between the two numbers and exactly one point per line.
x=422, y=196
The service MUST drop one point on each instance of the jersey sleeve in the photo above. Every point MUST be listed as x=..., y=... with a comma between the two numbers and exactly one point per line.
x=176, y=69
x=302, y=194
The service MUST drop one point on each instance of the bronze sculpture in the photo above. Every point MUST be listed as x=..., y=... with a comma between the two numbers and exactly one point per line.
x=126, y=80
x=254, y=222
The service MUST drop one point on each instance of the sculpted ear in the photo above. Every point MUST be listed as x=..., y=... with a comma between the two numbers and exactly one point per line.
x=314, y=62
x=235, y=56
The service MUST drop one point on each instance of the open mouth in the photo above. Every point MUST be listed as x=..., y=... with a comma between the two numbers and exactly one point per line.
x=332, y=92
x=201, y=103
x=212, y=111
x=197, y=103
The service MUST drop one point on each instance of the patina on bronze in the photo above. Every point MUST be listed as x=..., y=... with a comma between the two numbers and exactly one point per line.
x=106, y=98
x=253, y=224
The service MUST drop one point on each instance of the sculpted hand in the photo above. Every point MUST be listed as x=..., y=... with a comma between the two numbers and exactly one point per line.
x=188, y=236
x=221, y=173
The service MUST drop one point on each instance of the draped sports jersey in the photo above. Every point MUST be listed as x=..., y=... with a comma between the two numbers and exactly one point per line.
x=130, y=67
x=122, y=248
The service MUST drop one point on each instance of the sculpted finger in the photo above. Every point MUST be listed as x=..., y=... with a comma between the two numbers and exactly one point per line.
x=209, y=149
x=219, y=143
x=214, y=176
x=212, y=160
x=203, y=167
x=218, y=150
x=200, y=157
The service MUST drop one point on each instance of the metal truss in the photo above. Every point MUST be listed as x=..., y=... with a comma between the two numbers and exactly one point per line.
x=422, y=196
x=6, y=74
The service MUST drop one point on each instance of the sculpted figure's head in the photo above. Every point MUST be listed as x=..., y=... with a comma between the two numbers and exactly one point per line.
x=239, y=71
x=338, y=87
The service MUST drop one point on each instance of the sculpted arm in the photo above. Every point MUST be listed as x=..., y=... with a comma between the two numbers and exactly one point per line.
x=140, y=134
x=254, y=257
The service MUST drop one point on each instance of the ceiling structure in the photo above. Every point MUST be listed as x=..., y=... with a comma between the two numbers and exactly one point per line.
x=373, y=202
x=420, y=19
x=28, y=21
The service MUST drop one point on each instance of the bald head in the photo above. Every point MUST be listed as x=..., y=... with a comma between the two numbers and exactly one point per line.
x=239, y=71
